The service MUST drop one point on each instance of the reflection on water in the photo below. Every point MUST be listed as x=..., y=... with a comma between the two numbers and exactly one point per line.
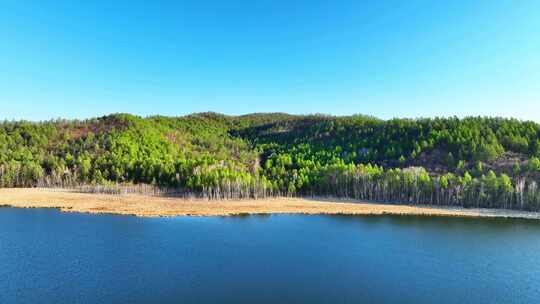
x=50, y=257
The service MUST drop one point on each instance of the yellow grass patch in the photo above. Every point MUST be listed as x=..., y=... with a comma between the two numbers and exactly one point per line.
x=140, y=205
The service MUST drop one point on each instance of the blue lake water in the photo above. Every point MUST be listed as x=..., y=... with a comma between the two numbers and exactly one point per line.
x=52, y=257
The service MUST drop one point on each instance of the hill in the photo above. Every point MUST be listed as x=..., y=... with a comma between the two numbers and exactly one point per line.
x=474, y=161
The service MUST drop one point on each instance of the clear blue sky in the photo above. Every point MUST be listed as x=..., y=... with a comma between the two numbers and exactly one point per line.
x=80, y=59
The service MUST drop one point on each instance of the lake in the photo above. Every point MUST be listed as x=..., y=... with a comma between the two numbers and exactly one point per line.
x=52, y=257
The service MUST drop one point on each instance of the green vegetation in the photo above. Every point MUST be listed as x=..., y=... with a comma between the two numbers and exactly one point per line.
x=481, y=162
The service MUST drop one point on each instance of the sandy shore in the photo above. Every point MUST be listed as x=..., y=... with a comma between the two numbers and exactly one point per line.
x=140, y=205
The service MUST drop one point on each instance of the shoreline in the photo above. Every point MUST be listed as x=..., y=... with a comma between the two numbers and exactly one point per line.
x=151, y=206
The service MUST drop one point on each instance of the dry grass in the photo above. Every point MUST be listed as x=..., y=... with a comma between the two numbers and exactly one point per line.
x=140, y=205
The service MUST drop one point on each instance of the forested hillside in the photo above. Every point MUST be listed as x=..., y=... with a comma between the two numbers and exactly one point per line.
x=488, y=162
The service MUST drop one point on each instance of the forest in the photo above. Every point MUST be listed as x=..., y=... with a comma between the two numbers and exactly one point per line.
x=470, y=162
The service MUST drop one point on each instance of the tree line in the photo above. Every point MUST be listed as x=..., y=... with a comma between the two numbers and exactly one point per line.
x=471, y=162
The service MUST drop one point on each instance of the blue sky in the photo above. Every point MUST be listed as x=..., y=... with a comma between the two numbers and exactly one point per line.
x=80, y=59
